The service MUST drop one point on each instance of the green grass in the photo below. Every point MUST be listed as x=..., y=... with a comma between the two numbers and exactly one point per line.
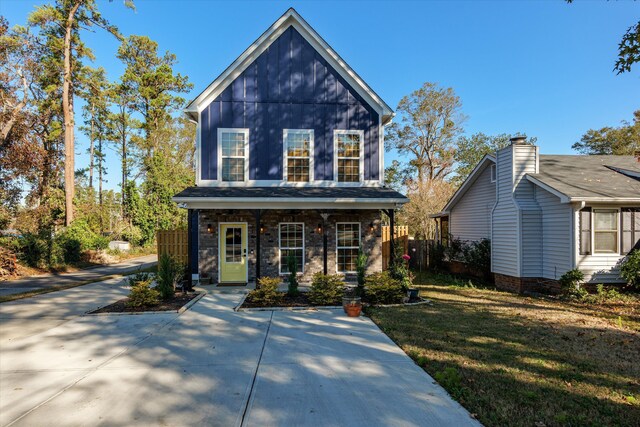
x=521, y=361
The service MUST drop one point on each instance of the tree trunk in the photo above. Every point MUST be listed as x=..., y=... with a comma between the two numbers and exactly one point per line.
x=91, y=152
x=124, y=164
x=67, y=109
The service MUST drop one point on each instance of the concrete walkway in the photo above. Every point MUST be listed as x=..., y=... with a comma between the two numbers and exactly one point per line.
x=207, y=366
x=27, y=284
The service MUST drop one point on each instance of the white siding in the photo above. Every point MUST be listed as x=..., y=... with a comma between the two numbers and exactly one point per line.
x=556, y=234
x=470, y=218
x=531, y=238
x=504, y=232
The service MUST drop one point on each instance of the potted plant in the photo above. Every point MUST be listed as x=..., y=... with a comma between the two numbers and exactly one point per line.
x=412, y=293
x=352, y=304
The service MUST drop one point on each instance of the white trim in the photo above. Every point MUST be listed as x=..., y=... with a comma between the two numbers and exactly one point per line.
x=360, y=134
x=293, y=19
x=347, y=247
x=246, y=264
x=593, y=231
x=244, y=131
x=280, y=247
x=293, y=203
x=198, y=152
x=281, y=183
x=285, y=157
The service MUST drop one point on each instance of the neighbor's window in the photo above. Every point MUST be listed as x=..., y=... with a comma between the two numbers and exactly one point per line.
x=233, y=152
x=605, y=231
x=298, y=155
x=493, y=173
x=291, y=242
x=348, y=152
x=347, y=246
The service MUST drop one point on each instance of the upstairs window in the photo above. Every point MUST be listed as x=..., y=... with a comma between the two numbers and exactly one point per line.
x=348, y=154
x=494, y=173
x=298, y=155
x=233, y=150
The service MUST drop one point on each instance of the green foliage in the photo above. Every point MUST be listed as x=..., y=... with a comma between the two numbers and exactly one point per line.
x=292, y=278
x=140, y=276
x=470, y=150
x=382, y=288
x=170, y=273
x=628, y=49
x=326, y=289
x=142, y=295
x=267, y=292
x=32, y=249
x=630, y=269
x=361, y=269
x=399, y=268
x=622, y=140
x=451, y=380
x=477, y=255
x=570, y=284
x=455, y=250
x=77, y=239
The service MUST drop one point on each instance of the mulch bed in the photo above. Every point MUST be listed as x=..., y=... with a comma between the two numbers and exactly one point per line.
x=174, y=304
x=299, y=301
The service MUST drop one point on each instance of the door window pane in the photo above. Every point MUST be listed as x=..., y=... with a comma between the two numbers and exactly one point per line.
x=233, y=244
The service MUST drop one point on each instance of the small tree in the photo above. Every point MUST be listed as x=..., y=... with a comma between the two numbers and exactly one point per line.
x=169, y=274
x=292, y=264
x=630, y=269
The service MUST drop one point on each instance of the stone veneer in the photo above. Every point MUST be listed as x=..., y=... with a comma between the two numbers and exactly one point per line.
x=208, y=242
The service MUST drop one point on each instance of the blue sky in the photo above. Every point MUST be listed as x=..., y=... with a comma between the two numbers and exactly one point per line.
x=540, y=67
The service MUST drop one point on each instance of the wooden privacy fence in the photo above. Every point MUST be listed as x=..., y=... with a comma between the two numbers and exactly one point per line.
x=402, y=238
x=174, y=243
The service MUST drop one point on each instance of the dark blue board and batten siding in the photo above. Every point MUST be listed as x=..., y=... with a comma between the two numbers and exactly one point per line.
x=289, y=86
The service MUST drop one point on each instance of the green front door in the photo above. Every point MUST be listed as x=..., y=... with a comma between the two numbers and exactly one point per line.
x=233, y=253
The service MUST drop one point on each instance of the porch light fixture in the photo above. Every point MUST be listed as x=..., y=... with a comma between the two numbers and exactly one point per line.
x=319, y=229
x=262, y=228
x=371, y=227
x=209, y=229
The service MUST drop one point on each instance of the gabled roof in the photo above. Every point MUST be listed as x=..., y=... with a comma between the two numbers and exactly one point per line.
x=486, y=161
x=589, y=178
x=290, y=18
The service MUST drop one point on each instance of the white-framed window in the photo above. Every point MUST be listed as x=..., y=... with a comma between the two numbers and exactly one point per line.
x=347, y=246
x=291, y=242
x=233, y=155
x=298, y=155
x=349, y=155
x=494, y=173
x=605, y=231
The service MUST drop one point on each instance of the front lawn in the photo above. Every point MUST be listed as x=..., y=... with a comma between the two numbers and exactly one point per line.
x=524, y=361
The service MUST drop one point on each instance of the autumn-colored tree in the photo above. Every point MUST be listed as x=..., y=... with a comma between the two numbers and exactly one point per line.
x=425, y=198
x=429, y=121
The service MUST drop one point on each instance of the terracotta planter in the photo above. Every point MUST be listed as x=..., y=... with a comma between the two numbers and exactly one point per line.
x=352, y=306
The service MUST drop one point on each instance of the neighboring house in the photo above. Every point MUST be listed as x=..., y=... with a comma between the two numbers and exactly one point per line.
x=290, y=145
x=548, y=214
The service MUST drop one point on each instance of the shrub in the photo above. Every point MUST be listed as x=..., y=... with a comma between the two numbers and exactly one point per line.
x=477, y=255
x=437, y=256
x=78, y=238
x=170, y=273
x=361, y=268
x=142, y=295
x=630, y=269
x=267, y=291
x=381, y=288
x=326, y=289
x=455, y=251
x=292, y=279
x=139, y=277
x=570, y=284
x=32, y=249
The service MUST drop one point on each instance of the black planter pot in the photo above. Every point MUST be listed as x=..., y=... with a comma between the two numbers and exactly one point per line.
x=412, y=293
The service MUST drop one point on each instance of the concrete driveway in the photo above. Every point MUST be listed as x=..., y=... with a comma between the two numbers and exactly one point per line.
x=207, y=366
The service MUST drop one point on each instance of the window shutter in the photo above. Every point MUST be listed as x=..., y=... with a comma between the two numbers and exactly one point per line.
x=630, y=229
x=585, y=231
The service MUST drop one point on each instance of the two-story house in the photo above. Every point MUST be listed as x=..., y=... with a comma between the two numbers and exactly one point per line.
x=290, y=146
